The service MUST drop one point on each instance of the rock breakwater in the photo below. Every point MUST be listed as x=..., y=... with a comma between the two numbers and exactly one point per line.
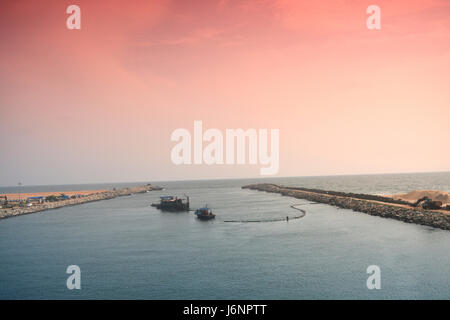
x=370, y=204
x=109, y=194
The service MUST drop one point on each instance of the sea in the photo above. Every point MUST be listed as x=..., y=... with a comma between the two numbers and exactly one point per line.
x=127, y=249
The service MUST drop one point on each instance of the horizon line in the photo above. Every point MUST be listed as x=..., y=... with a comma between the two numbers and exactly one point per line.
x=215, y=179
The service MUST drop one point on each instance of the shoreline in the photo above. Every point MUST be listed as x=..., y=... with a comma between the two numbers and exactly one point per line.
x=374, y=205
x=97, y=196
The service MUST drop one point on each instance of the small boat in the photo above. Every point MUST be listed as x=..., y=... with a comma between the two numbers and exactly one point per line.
x=205, y=214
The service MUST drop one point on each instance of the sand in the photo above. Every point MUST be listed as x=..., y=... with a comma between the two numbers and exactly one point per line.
x=24, y=196
x=415, y=195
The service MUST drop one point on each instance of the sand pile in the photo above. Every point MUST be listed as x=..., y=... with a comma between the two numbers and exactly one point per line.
x=434, y=195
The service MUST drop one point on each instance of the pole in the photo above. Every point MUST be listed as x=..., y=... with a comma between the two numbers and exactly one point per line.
x=20, y=191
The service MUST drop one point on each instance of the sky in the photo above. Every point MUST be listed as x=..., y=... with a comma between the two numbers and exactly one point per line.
x=99, y=104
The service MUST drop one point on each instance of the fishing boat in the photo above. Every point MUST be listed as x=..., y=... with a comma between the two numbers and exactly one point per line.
x=205, y=214
x=171, y=203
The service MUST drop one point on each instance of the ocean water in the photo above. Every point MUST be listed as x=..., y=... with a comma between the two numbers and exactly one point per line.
x=127, y=249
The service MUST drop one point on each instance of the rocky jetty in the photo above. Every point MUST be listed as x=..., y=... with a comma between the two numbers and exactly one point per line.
x=109, y=194
x=370, y=204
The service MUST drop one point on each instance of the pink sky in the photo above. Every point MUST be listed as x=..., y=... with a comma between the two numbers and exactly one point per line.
x=99, y=104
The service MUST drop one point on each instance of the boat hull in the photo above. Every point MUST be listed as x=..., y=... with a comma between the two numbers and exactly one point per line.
x=200, y=217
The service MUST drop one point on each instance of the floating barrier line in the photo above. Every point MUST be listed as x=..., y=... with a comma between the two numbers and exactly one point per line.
x=294, y=206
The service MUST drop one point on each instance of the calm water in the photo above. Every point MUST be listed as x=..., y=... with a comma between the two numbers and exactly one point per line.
x=129, y=250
